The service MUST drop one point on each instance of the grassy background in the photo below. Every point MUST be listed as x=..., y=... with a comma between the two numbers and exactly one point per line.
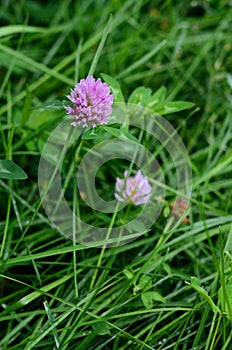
x=49, y=297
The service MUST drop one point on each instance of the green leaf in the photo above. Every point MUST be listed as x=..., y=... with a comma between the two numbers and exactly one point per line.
x=101, y=328
x=147, y=300
x=172, y=107
x=140, y=96
x=145, y=282
x=115, y=87
x=129, y=274
x=195, y=284
x=225, y=298
x=149, y=297
x=158, y=97
x=166, y=211
x=10, y=170
x=121, y=134
x=32, y=145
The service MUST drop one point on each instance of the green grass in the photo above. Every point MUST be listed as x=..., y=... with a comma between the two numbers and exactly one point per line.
x=59, y=293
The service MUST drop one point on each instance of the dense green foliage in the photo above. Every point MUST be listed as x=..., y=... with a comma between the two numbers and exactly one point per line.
x=157, y=292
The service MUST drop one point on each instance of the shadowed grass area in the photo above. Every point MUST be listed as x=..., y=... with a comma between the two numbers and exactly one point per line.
x=60, y=294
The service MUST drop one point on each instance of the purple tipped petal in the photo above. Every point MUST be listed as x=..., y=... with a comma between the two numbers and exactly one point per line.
x=91, y=101
x=134, y=189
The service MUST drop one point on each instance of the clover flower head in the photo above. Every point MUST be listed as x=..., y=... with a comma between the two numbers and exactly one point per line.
x=91, y=103
x=133, y=189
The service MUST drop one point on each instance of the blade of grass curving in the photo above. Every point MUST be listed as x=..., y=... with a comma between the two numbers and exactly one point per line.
x=77, y=61
x=105, y=34
x=142, y=60
x=32, y=65
x=51, y=321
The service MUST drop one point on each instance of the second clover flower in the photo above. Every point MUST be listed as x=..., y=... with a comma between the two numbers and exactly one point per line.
x=133, y=189
x=91, y=103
